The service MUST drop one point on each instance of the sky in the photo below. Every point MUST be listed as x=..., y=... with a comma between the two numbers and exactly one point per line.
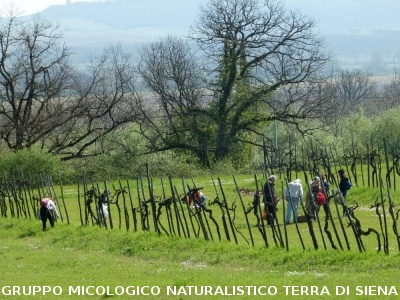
x=34, y=6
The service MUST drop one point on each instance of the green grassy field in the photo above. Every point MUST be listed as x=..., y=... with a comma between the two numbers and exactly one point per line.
x=89, y=262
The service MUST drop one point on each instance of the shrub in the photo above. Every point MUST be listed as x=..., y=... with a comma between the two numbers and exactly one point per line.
x=29, y=161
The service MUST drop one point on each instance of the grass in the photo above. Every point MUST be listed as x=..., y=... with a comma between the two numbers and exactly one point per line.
x=134, y=262
x=71, y=255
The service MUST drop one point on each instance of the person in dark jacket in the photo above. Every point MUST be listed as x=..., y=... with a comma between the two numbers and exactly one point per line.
x=343, y=187
x=270, y=199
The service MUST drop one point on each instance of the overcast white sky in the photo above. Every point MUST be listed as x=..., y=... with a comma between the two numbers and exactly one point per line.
x=34, y=6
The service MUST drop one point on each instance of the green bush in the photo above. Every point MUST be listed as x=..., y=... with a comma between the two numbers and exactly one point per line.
x=29, y=161
x=112, y=166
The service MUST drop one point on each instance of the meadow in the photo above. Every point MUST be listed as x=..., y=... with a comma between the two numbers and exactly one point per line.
x=72, y=261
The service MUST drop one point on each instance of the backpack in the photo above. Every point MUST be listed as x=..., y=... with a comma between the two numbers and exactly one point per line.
x=44, y=201
x=321, y=200
x=348, y=185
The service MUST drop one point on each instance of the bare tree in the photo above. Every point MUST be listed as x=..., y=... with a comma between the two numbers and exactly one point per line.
x=103, y=100
x=250, y=49
x=354, y=88
x=390, y=96
x=44, y=99
x=175, y=116
x=34, y=71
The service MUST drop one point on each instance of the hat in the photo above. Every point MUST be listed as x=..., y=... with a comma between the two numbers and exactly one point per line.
x=316, y=178
x=297, y=180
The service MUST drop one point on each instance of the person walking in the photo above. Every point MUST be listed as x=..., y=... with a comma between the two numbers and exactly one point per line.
x=48, y=211
x=270, y=199
x=326, y=189
x=102, y=208
x=344, y=186
x=312, y=197
x=294, y=192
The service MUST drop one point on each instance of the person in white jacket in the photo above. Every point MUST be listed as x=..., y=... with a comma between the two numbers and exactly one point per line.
x=293, y=194
x=102, y=208
x=48, y=211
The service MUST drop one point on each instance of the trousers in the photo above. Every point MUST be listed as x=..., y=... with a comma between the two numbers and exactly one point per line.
x=44, y=215
x=292, y=208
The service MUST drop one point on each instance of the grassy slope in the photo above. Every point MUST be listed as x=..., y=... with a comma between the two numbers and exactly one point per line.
x=72, y=255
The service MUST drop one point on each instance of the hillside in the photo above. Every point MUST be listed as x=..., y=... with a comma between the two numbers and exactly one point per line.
x=354, y=29
x=335, y=17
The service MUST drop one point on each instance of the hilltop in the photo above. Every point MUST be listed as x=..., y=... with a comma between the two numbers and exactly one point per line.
x=355, y=30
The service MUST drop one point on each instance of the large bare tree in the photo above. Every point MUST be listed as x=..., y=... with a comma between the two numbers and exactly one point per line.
x=248, y=49
x=45, y=100
x=171, y=117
